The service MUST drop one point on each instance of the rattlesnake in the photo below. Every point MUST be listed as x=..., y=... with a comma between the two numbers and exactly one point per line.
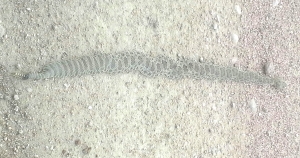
x=150, y=66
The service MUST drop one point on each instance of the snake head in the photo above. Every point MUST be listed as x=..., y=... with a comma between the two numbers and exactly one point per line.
x=279, y=84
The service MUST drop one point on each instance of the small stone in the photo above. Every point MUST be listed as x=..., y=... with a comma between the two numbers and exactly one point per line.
x=235, y=37
x=264, y=110
x=16, y=97
x=233, y=105
x=63, y=152
x=52, y=148
x=218, y=18
x=253, y=105
x=269, y=68
x=43, y=53
x=214, y=108
x=86, y=150
x=201, y=59
x=90, y=124
x=67, y=85
x=16, y=150
x=53, y=27
x=16, y=108
x=238, y=9
x=2, y=31
x=77, y=142
x=275, y=3
x=18, y=66
x=234, y=60
x=215, y=26
x=268, y=133
x=20, y=131
x=29, y=90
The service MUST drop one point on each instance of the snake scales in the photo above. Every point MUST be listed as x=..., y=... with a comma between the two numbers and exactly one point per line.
x=151, y=67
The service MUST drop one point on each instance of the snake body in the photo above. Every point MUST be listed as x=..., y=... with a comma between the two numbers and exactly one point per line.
x=151, y=67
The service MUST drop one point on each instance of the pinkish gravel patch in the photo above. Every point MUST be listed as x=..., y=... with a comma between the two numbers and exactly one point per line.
x=271, y=33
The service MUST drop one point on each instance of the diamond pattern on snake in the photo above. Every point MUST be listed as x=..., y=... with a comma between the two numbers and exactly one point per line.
x=150, y=66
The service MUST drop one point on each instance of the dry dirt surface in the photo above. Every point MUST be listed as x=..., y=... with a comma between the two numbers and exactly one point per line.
x=129, y=115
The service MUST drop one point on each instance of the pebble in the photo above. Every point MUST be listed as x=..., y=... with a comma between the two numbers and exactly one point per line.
x=215, y=26
x=275, y=3
x=235, y=38
x=218, y=18
x=77, y=142
x=269, y=68
x=2, y=31
x=201, y=59
x=232, y=105
x=18, y=66
x=29, y=90
x=234, y=60
x=253, y=105
x=86, y=150
x=66, y=85
x=53, y=27
x=43, y=53
x=214, y=108
x=16, y=97
x=16, y=108
x=238, y=9
x=20, y=131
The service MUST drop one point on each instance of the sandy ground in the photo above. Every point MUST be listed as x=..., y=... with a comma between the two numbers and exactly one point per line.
x=128, y=115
